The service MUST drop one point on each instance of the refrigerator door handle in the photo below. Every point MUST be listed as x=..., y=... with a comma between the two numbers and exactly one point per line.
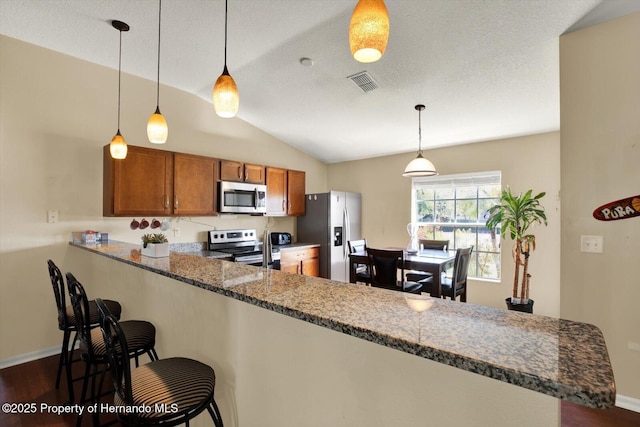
x=347, y=234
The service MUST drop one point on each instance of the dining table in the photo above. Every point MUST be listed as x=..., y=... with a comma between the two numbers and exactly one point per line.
x=434, y=261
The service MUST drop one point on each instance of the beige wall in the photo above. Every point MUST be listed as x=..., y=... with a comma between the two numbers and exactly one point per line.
x=600, y=116
x=526, y=162
x=57, y=112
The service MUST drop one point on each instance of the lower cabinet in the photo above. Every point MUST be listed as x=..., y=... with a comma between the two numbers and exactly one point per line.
x=301, y=261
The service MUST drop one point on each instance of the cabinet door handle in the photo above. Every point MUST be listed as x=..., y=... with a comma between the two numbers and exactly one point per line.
x=283, y=205
x=175, y=201
x=166, y=201
x=239, y=172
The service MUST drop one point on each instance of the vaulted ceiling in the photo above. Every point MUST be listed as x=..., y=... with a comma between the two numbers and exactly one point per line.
x=484, y=69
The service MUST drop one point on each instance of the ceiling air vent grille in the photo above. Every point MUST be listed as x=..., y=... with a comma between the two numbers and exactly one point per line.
x=364, y=81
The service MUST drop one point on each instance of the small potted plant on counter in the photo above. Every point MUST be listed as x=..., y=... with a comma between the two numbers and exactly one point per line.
x=155, y=245
x=516, y=214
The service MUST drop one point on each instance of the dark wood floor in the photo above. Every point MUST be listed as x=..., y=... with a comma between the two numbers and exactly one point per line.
x=33, y=383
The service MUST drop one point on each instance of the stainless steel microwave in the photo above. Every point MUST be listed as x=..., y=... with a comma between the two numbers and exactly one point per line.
x=240, y=197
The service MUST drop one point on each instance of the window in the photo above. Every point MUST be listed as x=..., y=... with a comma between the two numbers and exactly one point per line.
x=454, y=208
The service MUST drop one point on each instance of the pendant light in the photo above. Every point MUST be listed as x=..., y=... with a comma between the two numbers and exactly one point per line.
x=157, y=130
x=420, y=166
x=225, y=92
x=118, y=146
x=369, y=30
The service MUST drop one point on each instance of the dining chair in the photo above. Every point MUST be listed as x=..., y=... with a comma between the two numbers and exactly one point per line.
x=140, y=337
x=362, y=270
x=384, y=265
x=68, y=325
x=457, y=284
x=421, y=276
x=441, y=245
x=175, y=390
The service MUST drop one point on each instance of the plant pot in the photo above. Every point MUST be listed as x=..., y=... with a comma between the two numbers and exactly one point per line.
x=524, y=308
x=156, y=250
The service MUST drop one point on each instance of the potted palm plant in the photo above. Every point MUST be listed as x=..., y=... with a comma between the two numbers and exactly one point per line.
x=516, y=214
x=155, y=245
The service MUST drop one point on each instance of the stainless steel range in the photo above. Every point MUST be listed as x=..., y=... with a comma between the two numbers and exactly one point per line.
x=243, y=246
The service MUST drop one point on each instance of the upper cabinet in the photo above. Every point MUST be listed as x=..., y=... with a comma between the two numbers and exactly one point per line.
x=285, y=192
x=152, y=182
x=276, y=191
x=141, y=184
x=157, y=182
x=231, y=170
x=194, y=185
x=295, y=193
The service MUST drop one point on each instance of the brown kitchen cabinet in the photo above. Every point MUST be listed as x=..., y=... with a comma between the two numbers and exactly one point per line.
x=231, y=170
x=152, y=182
x=194, y=185
x=295, y=193
x=276, y=191
x=285, y=192
x=304, y=261
x=141, y=184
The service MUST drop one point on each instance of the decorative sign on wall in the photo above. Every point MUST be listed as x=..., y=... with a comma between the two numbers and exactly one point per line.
x=620, y=209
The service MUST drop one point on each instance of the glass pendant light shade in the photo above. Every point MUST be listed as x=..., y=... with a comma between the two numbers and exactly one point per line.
x=118, y=146
x=157, y=130
x=369, y=30
x=225, y=95
x=420, y=166
x=226, y=99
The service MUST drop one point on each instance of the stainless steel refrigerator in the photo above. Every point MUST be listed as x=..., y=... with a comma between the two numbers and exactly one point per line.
x=332, y=219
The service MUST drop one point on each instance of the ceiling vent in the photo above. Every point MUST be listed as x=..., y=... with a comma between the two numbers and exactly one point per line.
x=364, y=81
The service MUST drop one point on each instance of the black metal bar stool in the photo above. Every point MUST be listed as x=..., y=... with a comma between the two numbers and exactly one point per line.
x=67, y=324
x=184, y=387
x=140, y=338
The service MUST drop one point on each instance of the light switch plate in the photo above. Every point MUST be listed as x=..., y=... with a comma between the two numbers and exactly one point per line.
x=591, y=244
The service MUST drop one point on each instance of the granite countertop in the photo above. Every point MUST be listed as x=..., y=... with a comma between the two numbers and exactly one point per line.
x=561, y=358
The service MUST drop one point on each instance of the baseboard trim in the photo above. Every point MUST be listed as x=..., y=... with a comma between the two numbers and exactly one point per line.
x=628, y=403
x=28, y=357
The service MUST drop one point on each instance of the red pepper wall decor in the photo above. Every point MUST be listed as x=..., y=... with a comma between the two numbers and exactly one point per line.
x=620, y=209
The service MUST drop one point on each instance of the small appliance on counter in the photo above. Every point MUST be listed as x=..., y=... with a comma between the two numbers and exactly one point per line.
x=279, y=239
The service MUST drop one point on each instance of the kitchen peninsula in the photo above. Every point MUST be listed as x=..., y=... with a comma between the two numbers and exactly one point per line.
x=287, y=372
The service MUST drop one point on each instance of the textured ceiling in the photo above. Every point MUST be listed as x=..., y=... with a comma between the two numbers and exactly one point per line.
x=484, y=69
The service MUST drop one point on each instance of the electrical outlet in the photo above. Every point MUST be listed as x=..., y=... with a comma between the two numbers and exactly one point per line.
x=633, y=346
x=52, y=216
x=176, y=232
x=591, y=244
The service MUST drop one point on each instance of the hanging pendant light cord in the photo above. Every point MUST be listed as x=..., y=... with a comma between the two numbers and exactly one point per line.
x=226, y=5
x=119, y=78
x=158, y=79
x=419, y=131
